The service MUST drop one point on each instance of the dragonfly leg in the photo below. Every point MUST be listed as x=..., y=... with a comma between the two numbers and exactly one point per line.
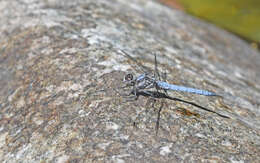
x=131, y=98
x=123, y=94
x=158, y=118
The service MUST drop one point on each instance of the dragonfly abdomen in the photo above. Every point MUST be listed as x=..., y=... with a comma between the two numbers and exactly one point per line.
x=167, y=86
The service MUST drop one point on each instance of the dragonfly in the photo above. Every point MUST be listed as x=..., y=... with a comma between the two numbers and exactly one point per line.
x=146, y=81
x=142, y=84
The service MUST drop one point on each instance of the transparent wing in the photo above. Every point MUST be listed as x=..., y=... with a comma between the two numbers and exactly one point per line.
x=141, y=67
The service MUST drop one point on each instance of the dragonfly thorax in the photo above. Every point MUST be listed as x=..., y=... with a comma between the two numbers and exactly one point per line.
x=144, y=82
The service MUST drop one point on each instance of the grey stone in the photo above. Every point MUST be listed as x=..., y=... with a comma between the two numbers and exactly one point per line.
x=61, y=65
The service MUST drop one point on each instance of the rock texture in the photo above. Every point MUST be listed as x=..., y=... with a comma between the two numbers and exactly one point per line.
x=61, y=64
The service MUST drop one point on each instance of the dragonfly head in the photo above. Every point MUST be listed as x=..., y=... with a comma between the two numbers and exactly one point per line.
x=129, y=79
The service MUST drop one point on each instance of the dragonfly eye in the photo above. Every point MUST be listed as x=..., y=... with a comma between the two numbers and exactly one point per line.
x=129, y=77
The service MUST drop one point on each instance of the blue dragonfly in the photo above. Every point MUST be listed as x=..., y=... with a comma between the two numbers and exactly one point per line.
x=146, y=81
x=141, y=85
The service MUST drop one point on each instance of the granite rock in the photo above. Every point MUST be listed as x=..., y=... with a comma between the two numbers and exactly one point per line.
x=61, y=66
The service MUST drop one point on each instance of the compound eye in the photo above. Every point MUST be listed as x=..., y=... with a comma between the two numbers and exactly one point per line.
x=129, y=77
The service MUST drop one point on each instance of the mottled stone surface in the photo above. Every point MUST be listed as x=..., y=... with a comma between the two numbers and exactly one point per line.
x=58, y=56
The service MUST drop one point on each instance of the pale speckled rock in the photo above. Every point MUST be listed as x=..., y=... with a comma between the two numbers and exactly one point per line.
x=56, y=57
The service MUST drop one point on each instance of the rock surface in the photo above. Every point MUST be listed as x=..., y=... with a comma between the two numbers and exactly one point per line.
x=61, y=63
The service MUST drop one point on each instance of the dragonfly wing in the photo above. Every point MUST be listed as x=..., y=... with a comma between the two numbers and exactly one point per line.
x=167, y=86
